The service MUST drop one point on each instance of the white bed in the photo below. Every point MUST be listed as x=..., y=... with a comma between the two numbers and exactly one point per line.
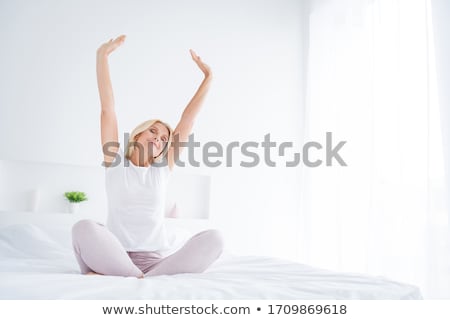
x=37, y=262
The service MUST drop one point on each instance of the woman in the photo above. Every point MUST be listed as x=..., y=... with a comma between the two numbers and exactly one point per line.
x=131, y=242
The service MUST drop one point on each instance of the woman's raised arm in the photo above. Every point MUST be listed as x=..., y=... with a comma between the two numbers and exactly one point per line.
x=109, y=131
x=184, y=128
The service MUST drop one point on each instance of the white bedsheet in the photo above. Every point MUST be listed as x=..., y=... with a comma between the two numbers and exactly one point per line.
x=36, y=265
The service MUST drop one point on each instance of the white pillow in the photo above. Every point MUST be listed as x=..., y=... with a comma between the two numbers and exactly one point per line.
x=28, y=241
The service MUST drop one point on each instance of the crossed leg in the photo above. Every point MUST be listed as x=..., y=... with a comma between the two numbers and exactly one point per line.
x=197, y=254
x=98, y=251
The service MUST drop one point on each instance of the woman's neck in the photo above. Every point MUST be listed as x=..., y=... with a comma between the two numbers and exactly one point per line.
x=135, y=160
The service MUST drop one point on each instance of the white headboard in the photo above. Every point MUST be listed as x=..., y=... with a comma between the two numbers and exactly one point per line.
x=27, y=186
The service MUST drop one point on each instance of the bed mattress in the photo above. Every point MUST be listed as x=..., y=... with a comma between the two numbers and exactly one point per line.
x=35, y=264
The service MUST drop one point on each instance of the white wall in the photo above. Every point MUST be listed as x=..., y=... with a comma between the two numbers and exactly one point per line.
x=50, y=107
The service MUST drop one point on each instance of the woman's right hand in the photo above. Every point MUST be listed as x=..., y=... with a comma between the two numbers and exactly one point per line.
x=108, y=47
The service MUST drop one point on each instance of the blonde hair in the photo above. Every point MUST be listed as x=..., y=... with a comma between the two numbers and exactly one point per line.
x=141, y=128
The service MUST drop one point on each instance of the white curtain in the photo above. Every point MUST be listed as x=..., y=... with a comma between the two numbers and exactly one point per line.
x=441, y=26
x=371, y=82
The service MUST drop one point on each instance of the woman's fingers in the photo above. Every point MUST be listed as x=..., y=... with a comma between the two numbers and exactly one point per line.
x=193, y=55
x=121, y=37
x=204, y=67
x=117, y=42
x=112, y=44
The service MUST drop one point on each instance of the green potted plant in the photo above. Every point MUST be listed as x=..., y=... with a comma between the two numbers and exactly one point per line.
x=75, y=197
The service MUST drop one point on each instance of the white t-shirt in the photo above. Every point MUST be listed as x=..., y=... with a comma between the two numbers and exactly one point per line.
x=136, y=199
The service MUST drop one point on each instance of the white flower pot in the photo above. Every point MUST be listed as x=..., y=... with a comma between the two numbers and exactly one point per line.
x=74, y=207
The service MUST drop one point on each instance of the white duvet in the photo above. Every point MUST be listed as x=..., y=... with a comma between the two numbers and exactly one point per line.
x=38, y=264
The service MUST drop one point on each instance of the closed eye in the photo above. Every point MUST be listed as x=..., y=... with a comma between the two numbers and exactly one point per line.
x=165, y=139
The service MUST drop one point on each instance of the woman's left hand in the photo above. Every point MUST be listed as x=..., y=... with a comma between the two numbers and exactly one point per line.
x=203, y=66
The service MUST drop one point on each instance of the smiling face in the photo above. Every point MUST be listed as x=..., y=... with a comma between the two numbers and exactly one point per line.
x=155, y=137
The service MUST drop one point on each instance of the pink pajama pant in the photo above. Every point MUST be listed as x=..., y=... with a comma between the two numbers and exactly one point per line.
x=97, y=249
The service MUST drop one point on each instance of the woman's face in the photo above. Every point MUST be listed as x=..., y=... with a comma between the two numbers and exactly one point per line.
x=156, y=138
